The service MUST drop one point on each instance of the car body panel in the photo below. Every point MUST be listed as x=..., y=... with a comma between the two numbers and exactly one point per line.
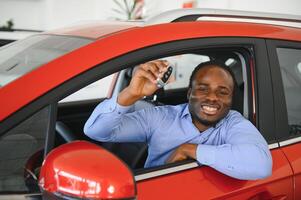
x=102, y=50
x=206, y=183
x=295, y=159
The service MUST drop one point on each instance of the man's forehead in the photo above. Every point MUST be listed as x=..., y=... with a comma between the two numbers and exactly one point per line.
x=214, y=71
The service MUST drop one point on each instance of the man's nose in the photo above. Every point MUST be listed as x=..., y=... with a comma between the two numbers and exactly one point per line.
x=212, y=96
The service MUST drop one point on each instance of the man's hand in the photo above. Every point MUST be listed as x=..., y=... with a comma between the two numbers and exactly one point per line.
x=143, y=82
x=183, y=152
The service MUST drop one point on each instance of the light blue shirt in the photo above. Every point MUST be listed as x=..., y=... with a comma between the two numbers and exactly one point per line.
x=234, y=146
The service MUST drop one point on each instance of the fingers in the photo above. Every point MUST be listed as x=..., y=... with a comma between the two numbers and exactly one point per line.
x=176, y=156
x=183, y=152
x=160, y=64
x=156, y=67
x=150, y=76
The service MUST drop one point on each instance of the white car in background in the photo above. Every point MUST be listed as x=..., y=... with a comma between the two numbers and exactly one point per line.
x=7, y=37
x=96, y=90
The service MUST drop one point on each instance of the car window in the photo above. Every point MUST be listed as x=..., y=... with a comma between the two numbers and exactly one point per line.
x=96, y=90
x=20, y=150
x=183, y=66
x=290, y=66
x=21, y=57
x=72, y=117
x=5, y=42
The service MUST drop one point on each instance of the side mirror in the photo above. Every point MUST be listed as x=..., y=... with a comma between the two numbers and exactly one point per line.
x=84, y=170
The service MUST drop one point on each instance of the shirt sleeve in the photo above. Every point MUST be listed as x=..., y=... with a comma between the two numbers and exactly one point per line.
x=245, y=154
x=115, y=123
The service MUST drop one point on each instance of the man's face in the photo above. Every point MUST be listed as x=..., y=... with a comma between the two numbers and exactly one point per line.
x=210, y=96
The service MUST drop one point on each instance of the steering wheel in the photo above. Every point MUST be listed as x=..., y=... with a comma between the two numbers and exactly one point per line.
x=64, y=132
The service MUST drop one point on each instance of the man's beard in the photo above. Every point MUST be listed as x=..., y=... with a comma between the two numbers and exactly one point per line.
x=204, y=121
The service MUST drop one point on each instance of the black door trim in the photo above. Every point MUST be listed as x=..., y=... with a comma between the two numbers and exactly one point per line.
x=281, y=117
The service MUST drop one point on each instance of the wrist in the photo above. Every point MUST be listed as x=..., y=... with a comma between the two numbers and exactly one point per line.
x=190, y=150
x=127, y=97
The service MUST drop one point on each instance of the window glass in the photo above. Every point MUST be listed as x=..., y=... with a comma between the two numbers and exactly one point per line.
x=290, y=66
x=96, y=90
x=18, y=149
x=23, y=56
x=183, y=66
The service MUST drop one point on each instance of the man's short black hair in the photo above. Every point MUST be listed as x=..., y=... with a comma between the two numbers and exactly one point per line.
x=213, y=63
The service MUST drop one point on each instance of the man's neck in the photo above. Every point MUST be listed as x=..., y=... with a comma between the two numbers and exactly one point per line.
x=201, y=127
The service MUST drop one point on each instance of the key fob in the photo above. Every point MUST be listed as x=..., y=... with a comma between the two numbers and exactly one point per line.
x=161, y=82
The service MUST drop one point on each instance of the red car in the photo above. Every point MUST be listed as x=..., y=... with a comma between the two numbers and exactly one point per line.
x=38, y=152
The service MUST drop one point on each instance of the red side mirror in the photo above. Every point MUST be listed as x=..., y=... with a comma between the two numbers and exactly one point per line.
x=84, y=170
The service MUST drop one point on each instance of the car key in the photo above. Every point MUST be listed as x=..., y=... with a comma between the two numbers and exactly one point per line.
x=161, y=82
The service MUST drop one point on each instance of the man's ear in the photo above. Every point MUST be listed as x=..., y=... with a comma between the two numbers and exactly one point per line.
x=188, y=93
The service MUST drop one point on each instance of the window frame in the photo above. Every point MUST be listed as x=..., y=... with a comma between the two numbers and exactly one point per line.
x=281, y=115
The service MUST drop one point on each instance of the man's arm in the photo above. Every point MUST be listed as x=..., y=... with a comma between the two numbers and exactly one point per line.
x=112, y=119
x=244, y=156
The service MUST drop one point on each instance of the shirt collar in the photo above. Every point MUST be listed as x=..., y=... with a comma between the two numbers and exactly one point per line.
x=185, y=111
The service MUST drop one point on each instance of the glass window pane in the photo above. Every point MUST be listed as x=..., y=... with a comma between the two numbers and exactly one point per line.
x=290, y=66
x=17, y=149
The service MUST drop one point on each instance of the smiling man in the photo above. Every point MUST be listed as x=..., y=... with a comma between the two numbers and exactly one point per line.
x=205, y=129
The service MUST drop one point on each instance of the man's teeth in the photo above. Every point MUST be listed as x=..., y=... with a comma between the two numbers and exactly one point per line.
x=210, y=109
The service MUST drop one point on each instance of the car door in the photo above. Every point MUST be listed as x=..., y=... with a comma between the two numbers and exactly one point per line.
x=285, y=59
x=187, y=180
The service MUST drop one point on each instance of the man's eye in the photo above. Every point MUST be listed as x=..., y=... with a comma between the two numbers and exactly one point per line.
x=203, y=89
x=224, y=93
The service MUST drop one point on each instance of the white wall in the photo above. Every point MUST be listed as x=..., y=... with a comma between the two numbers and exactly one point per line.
x=64, y=12
x=50, y=14
x=27, y=14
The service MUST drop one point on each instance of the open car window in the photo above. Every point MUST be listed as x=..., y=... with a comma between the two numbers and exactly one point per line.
x=72, y=117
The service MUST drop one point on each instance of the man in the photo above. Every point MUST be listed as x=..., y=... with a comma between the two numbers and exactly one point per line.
x=205, y=129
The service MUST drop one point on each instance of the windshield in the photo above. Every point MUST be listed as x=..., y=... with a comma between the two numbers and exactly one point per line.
x=23, y=56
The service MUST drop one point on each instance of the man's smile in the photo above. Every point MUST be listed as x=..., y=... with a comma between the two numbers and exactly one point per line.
x=210, y=109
